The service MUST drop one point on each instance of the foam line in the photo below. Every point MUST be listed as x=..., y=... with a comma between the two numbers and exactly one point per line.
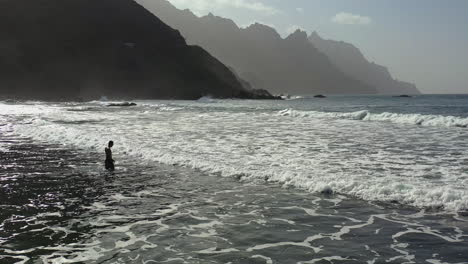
x=369, y=160
x=412, y=119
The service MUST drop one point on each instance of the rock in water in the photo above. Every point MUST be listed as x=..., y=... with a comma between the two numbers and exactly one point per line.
x=69, y=49
x=125, y=104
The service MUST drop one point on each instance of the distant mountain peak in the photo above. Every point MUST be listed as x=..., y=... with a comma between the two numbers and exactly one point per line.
x=263, y=30
x=220, y=20
x=261, y=56
x=350, y=60
x=260, y=26
x=299, y=35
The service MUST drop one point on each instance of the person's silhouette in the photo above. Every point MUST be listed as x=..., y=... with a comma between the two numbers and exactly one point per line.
x=109, y=161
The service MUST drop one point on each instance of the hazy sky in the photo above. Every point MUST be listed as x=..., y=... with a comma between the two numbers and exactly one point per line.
x=420, y=41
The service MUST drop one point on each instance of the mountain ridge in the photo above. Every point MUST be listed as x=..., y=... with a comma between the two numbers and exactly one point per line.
x=260, y=55
x=350, y=59
x=85, y=49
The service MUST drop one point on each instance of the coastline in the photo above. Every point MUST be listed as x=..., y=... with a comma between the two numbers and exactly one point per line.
x=158, y=212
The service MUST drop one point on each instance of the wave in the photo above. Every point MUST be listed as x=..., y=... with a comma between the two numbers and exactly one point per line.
x=293, y=97
x=413, y=119
x=326, y=158
x=207, y=99
x=162, y=107
x=302, y=173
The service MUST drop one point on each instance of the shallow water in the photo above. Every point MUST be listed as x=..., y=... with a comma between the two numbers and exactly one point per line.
x=417, y=159
x=340, y=180
x=59, y=206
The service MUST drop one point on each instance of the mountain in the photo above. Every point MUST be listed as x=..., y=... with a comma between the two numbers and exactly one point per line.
x=85, y=49
x=260, y=55
x=352, y=62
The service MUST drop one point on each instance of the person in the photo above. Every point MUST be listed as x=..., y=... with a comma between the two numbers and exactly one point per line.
x=109, y=161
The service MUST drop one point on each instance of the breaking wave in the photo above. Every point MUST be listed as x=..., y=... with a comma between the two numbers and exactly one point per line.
x=412, y=119
x=370, y=162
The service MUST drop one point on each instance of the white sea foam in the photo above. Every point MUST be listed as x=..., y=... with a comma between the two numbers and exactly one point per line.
x=162, y=107
x=412, y=119
x=292, y=97
x=374, y=161
x=207, y=99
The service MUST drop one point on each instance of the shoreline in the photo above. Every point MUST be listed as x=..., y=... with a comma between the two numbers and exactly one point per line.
x=140, y=207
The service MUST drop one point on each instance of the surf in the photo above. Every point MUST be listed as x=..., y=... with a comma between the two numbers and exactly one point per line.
x=366, y=115
x=315, y=151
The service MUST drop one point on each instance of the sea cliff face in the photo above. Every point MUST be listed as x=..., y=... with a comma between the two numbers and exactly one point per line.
x=352, y=62
x=260, y=55
x=85, y=49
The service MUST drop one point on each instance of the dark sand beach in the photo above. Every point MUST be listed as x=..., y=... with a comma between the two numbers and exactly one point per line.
x=59, y=206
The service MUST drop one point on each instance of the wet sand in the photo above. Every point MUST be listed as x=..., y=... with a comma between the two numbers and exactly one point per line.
x=58, y=205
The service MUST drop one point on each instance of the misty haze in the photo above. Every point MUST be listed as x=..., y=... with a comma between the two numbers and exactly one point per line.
x=246, y=131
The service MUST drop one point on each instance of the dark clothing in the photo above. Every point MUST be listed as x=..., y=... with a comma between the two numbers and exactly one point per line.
x=108, y=154
x=109, y=161
x=110, y=165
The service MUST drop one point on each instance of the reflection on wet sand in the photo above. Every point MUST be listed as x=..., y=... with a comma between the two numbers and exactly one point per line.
x=60, y=206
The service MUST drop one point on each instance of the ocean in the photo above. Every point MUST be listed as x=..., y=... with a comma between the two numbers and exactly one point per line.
x=344, y=179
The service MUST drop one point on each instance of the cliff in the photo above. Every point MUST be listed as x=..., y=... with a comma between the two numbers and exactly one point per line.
x=85, y=49
x=260, y=55
x=352, y=62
